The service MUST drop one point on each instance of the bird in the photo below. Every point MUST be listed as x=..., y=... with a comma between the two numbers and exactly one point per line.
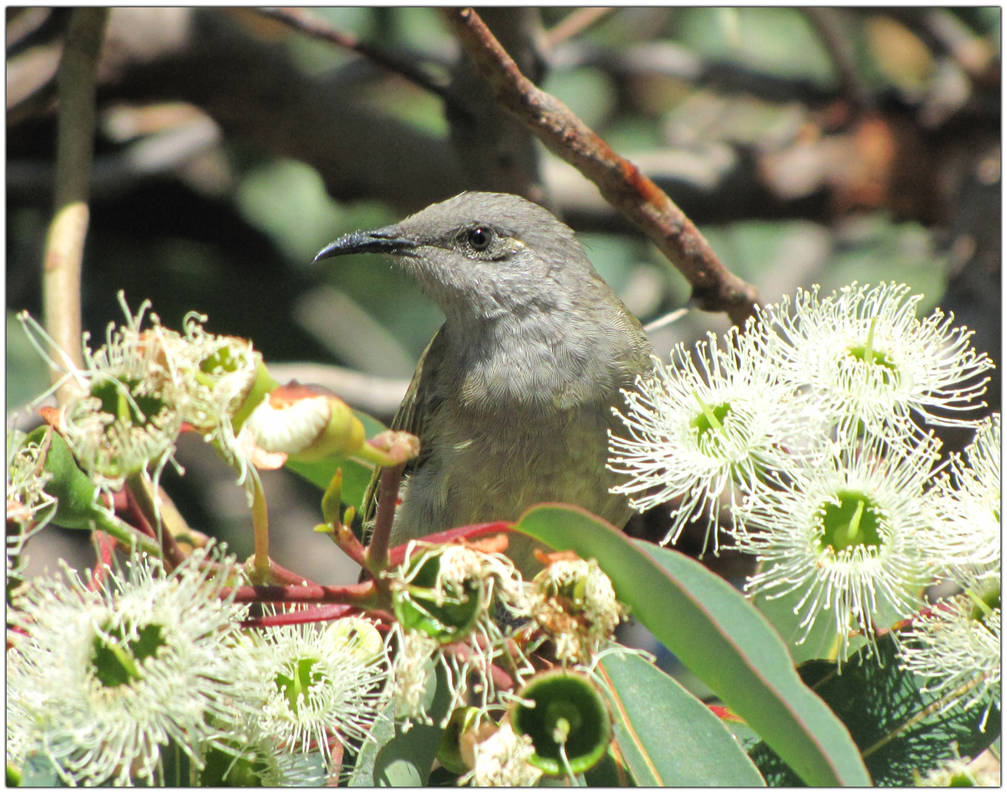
x=513, y=397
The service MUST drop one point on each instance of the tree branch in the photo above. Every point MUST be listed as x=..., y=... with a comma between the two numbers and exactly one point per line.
x=575, y=23
x=827, y=25
x=64, y=251
x=305, y=22
x=714, y=287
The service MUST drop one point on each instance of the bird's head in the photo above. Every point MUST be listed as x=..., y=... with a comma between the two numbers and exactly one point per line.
x=482, y=255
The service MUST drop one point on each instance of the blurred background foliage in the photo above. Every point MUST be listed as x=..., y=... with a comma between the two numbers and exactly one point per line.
x=809, y=145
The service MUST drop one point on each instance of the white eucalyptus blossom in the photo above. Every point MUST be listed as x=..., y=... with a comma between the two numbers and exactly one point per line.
x=965, y=536
x=871, y=361
x=957, y=653
x=219, y=374
x=954, y=646
x=129, y=418
x=104, y=677
x=445, y=597
x=574, y=601
x=125, y=413
x=502, y=759
x=29, y=507
x=842, y=534
x=710, y=424
x=320, y=683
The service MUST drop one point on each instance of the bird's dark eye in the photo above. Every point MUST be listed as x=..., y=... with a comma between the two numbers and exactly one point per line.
x=479, y=237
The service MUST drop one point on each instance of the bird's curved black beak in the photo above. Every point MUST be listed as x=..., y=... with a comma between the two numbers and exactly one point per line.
x=379, y=241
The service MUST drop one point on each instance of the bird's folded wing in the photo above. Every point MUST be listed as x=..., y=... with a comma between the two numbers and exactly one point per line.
x=420, y=399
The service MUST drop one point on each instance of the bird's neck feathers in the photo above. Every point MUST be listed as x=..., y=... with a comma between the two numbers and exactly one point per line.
x=535, y=357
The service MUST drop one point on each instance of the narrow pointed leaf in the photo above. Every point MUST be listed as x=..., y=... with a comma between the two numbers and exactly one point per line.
x=650, y=708
x=718, y=635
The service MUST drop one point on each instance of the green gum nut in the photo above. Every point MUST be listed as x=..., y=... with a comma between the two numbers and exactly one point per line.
x=449, y=753
x=569, y=715
x=416, y=605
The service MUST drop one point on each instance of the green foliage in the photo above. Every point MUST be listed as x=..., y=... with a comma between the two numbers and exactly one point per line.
x=899, y=729
x=76, y=496
x=406, y=757
x=718, y=635
x=779, y=40
x=665, y=736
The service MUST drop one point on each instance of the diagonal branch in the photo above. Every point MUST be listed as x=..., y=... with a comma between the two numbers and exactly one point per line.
x=828, y=25
x=311, y=25
x=714, y=287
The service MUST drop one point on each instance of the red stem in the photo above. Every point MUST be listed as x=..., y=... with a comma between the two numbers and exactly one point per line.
x=357, y=594
x=170, y=550
x=284, y=576
x=388, y=493
x=106, y=545
x=397, y=555
x=309, y=615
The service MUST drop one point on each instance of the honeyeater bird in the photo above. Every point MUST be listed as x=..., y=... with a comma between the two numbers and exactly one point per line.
x=512, y=398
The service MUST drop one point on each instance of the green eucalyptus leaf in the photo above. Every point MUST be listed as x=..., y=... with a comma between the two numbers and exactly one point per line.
x=608, y=773
x=718, y=635
x=899, y=729
x=381, y=733
x=77, y=505
x=650, y=707
x=37, y=771
x=407, y=758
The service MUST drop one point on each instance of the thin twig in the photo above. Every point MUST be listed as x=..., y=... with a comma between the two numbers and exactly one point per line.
x=350, y=545
x=146, y=514
x=827, y=25
x=305, y=22
x=260, y=529
x=64, y=250
x=714, y=287
x=576, y=22
x=388, y=494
